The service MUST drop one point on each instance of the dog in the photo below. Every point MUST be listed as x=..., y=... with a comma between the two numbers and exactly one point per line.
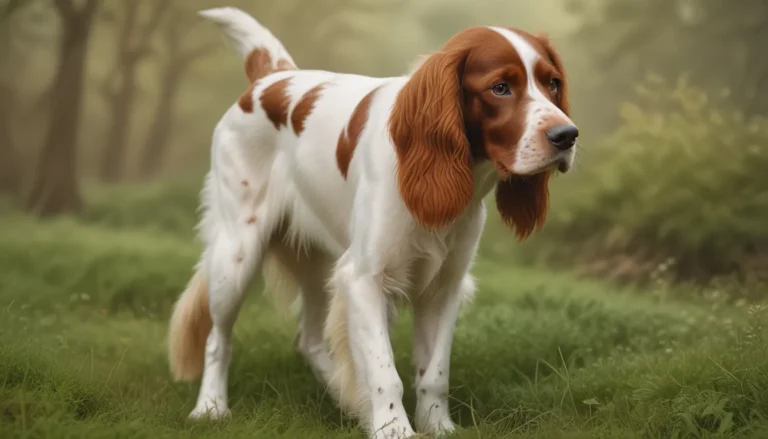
x=353, y=193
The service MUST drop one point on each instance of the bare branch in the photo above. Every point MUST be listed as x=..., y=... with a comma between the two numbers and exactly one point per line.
x=130, y=16
x=176, y=33
x=157, y=17
x=135, y=40
x=143, y=45
x=181, y=60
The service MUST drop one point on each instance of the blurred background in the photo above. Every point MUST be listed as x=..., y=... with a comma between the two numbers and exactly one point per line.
x=106, y=113
x=108, y=97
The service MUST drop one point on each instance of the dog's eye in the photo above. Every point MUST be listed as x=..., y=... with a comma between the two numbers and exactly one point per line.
x=501, y=89
x=554, y=85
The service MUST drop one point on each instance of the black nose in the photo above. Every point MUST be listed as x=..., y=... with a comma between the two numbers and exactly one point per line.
x=563, y=137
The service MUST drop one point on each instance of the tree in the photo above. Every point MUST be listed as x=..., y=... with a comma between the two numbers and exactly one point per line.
x=720, y=46
x=9, y=163
x=120, y=89
x=56, y=188
x=178, y=57
x=9, y=7
x=10, y=172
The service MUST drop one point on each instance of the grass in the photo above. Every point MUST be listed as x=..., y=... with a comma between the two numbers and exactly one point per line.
x=84, y=306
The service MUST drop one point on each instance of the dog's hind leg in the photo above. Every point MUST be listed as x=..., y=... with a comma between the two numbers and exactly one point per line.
x=314, y=308
x=238, y=227
x=308, y=270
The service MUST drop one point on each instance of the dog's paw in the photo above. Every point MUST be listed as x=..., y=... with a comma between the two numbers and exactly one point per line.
x=442, y=429
x=209, y=411
x=433, y=418
x=394, y=429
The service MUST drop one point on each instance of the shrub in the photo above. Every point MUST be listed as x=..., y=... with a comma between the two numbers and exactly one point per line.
x=681, y=184
x=168, y=206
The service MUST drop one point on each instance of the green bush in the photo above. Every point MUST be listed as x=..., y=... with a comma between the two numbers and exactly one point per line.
x=680, y=186
x=168, y=206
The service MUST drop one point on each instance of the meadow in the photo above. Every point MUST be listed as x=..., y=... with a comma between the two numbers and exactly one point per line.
x=541, y=352
x=639, y=311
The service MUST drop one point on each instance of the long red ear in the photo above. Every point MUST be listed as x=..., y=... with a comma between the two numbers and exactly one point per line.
x=557, y=62
x=523, y=203
x=433, y=155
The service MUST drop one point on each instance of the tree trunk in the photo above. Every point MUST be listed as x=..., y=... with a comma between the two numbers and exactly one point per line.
x=55, y=190
x=9, y=166
x=9, y=170
x=133, y=45
x=156, y=146
x=117, y=136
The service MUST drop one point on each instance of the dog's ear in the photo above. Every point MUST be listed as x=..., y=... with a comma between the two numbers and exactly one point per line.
x=523, y=203
x=433, y=155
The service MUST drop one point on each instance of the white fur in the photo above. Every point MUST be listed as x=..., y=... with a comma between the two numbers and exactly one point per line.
x=364, y=243
x=246, y=32
x=540, y=110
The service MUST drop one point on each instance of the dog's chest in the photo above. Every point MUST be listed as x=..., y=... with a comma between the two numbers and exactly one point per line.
x=429, y=252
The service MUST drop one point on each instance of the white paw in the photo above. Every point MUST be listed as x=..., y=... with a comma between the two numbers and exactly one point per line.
x=433, y=418
x=393, y=433
x=442, y=428
x=209, y=411
x=394, y=429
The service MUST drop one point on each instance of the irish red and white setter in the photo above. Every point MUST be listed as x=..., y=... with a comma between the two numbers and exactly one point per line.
x=353, y=193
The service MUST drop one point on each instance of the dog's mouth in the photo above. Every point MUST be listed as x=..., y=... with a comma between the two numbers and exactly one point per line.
x=563, y=162
x=560, y=163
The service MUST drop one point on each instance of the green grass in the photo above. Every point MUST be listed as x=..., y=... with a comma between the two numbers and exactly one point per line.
x=84, y=306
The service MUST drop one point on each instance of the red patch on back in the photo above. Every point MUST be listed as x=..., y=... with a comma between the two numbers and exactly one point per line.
x=304, y=107
x=349, y=137
x=274, y=100
x=245, y=102
x=258, y=64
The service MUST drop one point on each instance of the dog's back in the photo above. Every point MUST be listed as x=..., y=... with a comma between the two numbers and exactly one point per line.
x=279, y=154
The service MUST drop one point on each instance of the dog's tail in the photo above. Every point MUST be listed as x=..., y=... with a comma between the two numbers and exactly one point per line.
x=189, y=328
x=262, y=51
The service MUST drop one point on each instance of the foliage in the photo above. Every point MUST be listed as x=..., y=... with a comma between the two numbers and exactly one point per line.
x=682, y=178
x=82, y=322
x=718, y=44
x=163, y=207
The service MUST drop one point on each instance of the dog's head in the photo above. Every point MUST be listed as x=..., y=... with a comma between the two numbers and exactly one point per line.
x=491, y=94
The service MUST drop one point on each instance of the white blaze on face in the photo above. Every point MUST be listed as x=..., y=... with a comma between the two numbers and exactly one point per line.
x=533, y=150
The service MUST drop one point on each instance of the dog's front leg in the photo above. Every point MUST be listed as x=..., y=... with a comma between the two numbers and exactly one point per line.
x=373, y=358
x=434, y=321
